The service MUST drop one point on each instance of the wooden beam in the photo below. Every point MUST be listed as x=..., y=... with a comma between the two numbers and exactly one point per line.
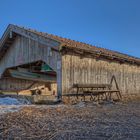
x=34, y=36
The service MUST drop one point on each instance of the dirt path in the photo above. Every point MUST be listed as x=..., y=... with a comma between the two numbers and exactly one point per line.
x=78, y=122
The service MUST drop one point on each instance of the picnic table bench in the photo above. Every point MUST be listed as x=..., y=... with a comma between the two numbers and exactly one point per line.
x=96, y=90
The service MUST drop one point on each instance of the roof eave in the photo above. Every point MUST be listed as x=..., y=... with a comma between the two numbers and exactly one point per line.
x=5, y=35
x=96, y=54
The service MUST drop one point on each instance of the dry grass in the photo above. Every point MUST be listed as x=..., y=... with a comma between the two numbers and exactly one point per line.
x=83, y=121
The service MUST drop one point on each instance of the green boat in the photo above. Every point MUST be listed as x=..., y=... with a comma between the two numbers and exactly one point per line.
x=25, y=74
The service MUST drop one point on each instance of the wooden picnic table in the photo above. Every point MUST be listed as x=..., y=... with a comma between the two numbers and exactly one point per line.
x=95, y=90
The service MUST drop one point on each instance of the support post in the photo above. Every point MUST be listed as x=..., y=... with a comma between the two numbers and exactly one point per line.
x=59, y=79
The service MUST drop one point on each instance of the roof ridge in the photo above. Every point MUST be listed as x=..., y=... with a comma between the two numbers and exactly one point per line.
x=79, y=44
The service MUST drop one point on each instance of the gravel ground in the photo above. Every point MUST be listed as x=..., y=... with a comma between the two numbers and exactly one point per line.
x=83, y=121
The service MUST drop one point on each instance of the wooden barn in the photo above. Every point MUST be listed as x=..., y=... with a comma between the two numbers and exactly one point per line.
x=30, y=59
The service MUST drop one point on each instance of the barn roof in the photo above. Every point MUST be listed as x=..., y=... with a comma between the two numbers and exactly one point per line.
x=73, y=45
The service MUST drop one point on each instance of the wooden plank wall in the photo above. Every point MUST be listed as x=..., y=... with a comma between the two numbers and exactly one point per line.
x=17, y=84
x=25, y=50
x=88, y=70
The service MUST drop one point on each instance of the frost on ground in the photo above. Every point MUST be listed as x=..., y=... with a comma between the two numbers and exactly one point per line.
x=9, y=108
x=84, y=121
x=8, y=104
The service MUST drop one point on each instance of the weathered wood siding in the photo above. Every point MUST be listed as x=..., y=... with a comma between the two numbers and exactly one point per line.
x=25, y=50
x=17, y=84
x=88, y=70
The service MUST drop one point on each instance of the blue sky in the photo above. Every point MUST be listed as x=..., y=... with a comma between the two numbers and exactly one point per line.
x=112, y=24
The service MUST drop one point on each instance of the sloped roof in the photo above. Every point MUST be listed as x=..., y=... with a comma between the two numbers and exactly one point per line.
x=72, y=44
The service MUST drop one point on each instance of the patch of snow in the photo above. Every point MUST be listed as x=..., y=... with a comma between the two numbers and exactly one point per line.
x=12, y=101
x=9, y=104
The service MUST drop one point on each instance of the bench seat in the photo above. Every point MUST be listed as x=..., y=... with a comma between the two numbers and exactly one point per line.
x=94, y=92
x=92, y=86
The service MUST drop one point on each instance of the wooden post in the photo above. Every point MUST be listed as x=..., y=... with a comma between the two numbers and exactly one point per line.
x=114, y=78
x=59, y=79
